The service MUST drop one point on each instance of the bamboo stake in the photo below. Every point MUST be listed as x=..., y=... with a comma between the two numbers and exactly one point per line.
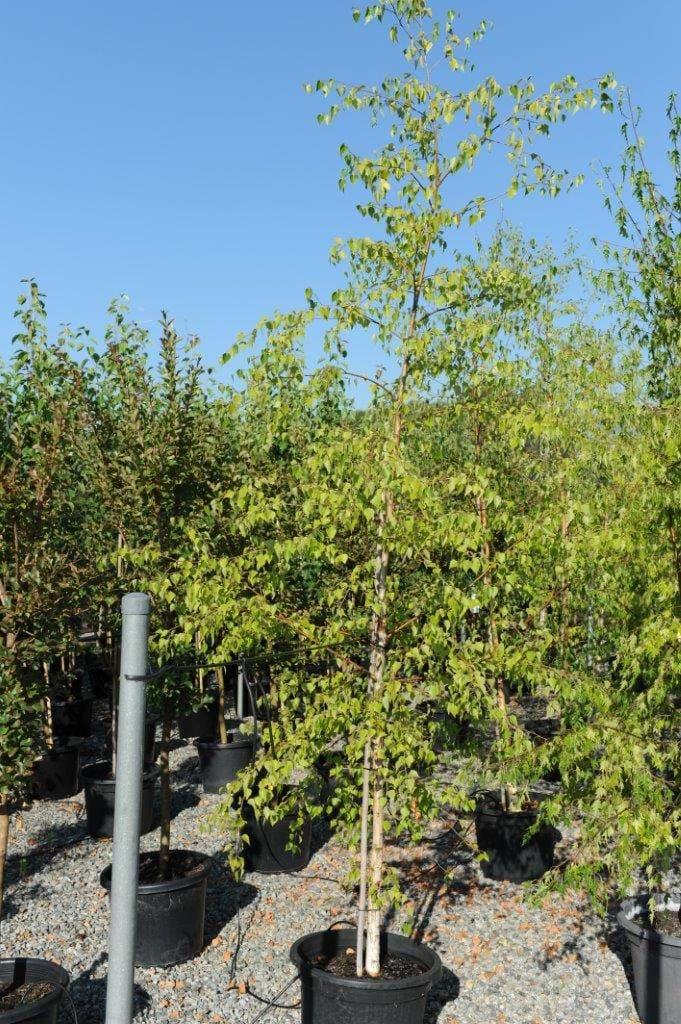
x=47, y=705
x=164, y=762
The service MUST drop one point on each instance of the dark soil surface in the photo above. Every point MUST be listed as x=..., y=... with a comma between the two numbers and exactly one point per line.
x=12, y=995
x=183, y=864
x=668, y=922
x=393, y=967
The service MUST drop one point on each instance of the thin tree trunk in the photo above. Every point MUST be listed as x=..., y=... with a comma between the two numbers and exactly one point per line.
x=373, y=954
x=4, y=839
x=222, y=724
x=201, y=676
x=493, y=635
x=363, y=860
x=114, y=706
x=48, y=732
x=564, y=631
x=164, y=762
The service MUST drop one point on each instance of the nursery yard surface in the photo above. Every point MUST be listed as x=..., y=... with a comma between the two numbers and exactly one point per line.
x=505, y=962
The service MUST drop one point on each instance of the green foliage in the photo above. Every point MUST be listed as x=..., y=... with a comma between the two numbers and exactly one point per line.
x=499, y=523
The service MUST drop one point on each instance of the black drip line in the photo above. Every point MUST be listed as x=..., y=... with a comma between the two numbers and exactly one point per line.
x=243, y=660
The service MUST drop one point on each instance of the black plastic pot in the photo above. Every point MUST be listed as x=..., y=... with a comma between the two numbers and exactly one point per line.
x=72, y=718
x=656, y=960
x=24, y=970
x=327, y=999
x=203, y=722
x=150, y=746
x=55, y=775
x=221, y=762
x=101, y=679
x=100, y=792
x=502, y=835
x=150, y=738
x=170, y=916
x=266, y=850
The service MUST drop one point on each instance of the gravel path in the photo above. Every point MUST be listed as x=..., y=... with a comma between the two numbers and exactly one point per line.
x=505, y=963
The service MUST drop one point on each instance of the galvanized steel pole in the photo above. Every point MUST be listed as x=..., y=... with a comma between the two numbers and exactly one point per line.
x=129, y=769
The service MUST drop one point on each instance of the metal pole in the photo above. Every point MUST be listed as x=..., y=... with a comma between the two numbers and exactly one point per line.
x=129, y=770
x=240, y=689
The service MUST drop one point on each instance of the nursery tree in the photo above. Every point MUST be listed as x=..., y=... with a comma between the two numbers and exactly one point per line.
x=630, y=804
x=47, y=514
x=166, y=444
x=370, y=520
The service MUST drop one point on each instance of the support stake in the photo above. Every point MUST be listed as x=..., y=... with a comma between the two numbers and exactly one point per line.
x=129, y=770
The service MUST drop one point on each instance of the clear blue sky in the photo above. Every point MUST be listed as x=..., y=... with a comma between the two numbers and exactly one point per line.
x=168, y=151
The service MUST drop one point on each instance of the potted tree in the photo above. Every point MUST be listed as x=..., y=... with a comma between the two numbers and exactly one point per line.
x=46, y=468
x=30, y=989
x=368, y=517
x=644, y=283
x=165, y=418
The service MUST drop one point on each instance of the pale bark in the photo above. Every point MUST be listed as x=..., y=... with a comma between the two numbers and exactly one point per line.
x=493, y=634
x=363, y=860
x=222, y=725
x=373, y=955
x=4, y=840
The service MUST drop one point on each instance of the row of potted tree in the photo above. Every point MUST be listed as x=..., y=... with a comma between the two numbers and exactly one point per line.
x=499, y=522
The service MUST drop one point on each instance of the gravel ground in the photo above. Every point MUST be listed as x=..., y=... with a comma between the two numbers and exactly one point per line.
x=505, y=963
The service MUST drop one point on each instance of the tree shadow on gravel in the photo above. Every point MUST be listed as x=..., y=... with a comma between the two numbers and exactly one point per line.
x=441, y=995
x=89, y=996
x=588, y=930
x=224, y=898
x=46, y=844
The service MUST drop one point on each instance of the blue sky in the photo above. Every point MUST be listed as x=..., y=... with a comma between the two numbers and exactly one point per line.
x=168, y=151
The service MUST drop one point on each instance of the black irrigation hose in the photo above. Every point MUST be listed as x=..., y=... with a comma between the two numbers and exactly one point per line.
x=250, y=659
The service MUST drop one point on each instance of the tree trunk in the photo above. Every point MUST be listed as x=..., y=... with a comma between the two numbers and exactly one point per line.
x=164, y=762
x=222, y=725
x=363, y=860
x=378, y=657
x=373, y=954
x=4, y=839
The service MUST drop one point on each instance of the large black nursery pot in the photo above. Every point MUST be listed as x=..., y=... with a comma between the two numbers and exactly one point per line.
x=267, y=848
x=656, y=959
x=101, y=679
x=28, y=971
x=150, y=746
x=150, y=750
x=170, y=914
x=502, y=835
x=328, y=999
x=221, y=762
x=100, y=792
x=202, y=722
x=72, y=717
x=55, y=775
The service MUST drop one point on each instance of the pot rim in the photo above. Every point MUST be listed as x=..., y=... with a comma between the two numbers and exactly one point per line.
x=242, y=741
x=637, y=905
x=62, y=745
x=429, y=977
x=72, y=703
x=203, y=862
x=150, y=774
x=37, y=1006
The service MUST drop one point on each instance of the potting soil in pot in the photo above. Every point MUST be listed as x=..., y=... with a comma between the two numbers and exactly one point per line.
x=394, y=966
x=667, y=922
x=12, y=995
